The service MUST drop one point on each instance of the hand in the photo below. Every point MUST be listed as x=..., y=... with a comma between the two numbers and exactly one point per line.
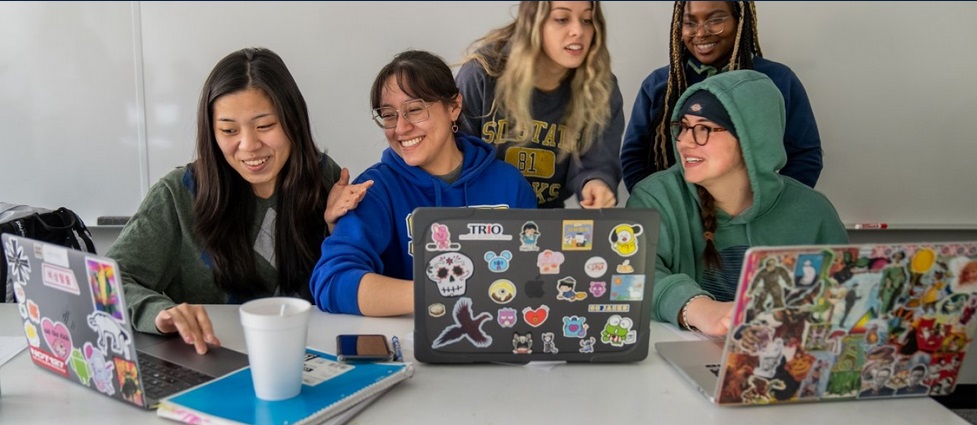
x=193, y=324
x=709, y=316
x=596, y=194
x=343, y=197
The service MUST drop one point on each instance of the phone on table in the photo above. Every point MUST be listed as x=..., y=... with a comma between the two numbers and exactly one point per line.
x=363, y=348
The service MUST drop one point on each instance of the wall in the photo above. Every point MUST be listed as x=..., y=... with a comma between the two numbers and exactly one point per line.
x=98, y=99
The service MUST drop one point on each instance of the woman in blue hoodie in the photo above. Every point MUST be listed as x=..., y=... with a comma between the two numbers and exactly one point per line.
x=366, y=265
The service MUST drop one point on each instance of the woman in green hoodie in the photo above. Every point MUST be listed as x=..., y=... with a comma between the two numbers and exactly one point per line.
x=723, y=196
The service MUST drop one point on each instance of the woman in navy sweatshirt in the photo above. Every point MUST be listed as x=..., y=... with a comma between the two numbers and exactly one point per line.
x=366, y=265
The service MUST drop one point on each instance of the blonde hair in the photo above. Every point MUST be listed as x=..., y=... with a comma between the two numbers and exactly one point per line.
x=511, y=54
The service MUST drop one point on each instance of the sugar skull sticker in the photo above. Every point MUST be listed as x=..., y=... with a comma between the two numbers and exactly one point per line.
x=450, y=271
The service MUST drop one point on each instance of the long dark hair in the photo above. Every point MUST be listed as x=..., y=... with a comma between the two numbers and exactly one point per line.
x=746, y=45
x=222, y=205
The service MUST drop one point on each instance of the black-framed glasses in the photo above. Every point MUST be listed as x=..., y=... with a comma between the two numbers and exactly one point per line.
x=700, y=132
x=714, y=26
x=414, y=111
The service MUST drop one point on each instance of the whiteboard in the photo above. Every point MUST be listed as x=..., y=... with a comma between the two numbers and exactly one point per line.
x=98, y=99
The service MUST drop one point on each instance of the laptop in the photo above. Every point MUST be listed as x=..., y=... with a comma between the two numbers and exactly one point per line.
x=815, y=323
x=78, y=327
x=515, y=286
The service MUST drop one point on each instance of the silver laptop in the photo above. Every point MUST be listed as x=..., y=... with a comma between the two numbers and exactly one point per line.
x=814, y=323
x=78, y=327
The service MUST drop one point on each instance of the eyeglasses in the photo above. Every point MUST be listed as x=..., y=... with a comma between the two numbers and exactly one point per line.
x=700, y=132
x=414, y=111
x=714, y=26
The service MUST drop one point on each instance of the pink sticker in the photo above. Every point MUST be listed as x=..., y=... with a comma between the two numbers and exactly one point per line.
x=57, y=337
x=60, y=278
x=549, y=262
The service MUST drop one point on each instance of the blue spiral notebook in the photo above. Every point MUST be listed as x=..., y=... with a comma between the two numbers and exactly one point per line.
x=329, y=389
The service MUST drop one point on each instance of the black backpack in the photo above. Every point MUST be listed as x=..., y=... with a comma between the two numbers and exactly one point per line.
x=62, y=227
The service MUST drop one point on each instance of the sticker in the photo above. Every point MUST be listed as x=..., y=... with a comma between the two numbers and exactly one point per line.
x=57, y=337
x=101, y=369
x=54, y=254
x=578, y=235
x=598, y=289
x=104, y=281
x=628, y=287
x=549, y=262
x=498, y=263
x=617, y=331
x=624, y=239
x=502, y=291
x=32, y=337
x=19, y=293
x=625, y=267
x=566, y=290
x=79, y=364
x=49, y=361
x=536, y=316
x=575, y=326
x=18, y=265
x=529, y=236
x=127, y=377
x=549, y=345
x=33, y=311
x=22, y=307
x=108, y=328
x=442, y=239
x=466, y=326
x=534, y=288
x=587, y=345
x=595, y=267
x=485, y=232
x=59, y=278
x=507, y=317
x=608, y=308
x=317, y=369
x=435, y=310
x=522, y=343
x=450, y=272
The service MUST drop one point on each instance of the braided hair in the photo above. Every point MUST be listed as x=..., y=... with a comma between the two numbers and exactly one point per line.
x=746, y=45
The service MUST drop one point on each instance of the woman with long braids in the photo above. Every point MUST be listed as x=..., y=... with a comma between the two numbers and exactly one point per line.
x=709, y=38
x=724, y=195
x=541, y=90
x=243, y=220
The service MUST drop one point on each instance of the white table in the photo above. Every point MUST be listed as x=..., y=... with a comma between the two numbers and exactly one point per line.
x=645, y=392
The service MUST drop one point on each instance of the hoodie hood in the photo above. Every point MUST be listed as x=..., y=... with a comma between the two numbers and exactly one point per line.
x=756, y=108
x=478, y=156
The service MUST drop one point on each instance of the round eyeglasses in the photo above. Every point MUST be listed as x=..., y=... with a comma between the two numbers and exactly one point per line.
x=714, y=26
x=414, y=111
x=700, y=132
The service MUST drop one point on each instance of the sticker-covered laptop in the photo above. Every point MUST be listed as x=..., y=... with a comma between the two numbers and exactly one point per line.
x=507, y=285
x=849, y=322
x=78, y=328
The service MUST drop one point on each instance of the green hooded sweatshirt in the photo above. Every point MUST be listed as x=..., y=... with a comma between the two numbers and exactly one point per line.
x=784, y=211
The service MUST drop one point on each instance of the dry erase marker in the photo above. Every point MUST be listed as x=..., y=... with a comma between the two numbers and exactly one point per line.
x=863, y=226
x=398, y=355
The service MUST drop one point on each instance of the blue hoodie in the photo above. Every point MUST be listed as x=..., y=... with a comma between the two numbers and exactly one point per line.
x=375, y=237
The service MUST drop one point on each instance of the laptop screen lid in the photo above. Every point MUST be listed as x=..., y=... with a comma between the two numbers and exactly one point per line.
x=77, y=324
x=814, y=323
x=510, y=285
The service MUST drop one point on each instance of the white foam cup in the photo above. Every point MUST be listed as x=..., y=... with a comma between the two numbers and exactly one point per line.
x=275, y=331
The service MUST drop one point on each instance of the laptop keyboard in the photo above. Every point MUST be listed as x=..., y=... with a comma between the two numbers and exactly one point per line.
x=162, y=378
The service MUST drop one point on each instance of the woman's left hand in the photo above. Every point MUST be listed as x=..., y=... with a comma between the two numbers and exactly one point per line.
x=596, y=194
x=343, y=197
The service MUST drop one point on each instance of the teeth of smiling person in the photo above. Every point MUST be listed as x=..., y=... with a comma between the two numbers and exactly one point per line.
x=255, y=162
x=705, y=46
x=693, y=159
x=411, y=142
x=575, y=47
